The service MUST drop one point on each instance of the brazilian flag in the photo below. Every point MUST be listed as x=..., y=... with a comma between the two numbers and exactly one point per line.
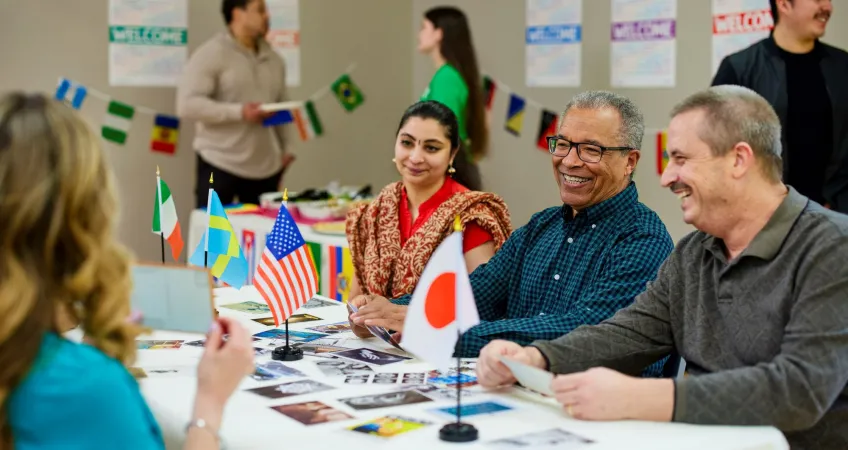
x=347, y=92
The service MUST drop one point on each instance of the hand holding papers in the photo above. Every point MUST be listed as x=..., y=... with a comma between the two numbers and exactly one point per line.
x=530, y=377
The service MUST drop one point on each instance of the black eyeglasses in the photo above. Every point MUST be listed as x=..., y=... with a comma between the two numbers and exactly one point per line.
x=587, y=152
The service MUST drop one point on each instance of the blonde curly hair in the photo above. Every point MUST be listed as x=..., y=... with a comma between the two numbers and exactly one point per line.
x=59, y=261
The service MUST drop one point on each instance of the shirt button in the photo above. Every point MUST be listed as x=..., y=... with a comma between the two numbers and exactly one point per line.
x=593, y=226
x=570, y=240
x=556, y=277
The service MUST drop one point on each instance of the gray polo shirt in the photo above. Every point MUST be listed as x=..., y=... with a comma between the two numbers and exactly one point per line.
x=764, y=336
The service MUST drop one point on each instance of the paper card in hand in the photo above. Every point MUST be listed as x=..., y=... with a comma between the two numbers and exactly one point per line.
x=379, y=332
x=172, y=297
x=530, y=377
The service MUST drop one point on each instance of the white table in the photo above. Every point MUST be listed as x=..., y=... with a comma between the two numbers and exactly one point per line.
x=252, y=229
x=249, y=423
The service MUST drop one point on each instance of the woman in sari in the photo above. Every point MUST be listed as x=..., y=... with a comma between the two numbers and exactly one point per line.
x=391, y=239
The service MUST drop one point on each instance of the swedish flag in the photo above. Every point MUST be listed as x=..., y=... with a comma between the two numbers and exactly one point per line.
x=225, y=255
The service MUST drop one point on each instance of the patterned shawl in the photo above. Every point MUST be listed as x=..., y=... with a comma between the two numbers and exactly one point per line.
x=373, y=233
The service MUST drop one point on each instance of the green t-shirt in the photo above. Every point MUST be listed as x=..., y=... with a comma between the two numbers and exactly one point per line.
x=448, y=88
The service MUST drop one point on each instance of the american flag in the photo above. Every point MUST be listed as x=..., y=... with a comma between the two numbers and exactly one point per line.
x=286, y=276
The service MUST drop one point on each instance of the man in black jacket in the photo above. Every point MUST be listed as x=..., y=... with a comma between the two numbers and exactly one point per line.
x=805, y=81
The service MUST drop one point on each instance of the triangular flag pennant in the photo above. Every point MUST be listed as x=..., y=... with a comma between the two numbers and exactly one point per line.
x=71, y=93
x=165, y=218
x=165, y=134
x=347, y=92
x=118, y=121
x=224, y=252
x=515, y=115
x=662, y=153
x=489, y=88
x=442, y=306
x=547, y=127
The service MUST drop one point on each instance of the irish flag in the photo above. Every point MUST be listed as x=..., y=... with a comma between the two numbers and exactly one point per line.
x=165, y=218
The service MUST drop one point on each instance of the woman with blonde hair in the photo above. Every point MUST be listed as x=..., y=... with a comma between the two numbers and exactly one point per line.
x=60, y=267
x=391, y=239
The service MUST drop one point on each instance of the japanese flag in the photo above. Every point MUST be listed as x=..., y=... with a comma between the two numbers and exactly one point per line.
x=442, y=306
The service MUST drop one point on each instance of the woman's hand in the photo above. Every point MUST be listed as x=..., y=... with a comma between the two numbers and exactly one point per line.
x=358, y=330
x=223, y=366
x=380, y=312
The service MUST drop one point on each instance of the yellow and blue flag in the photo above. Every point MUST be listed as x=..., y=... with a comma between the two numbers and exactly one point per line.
x=225, y=256
x=515, y=115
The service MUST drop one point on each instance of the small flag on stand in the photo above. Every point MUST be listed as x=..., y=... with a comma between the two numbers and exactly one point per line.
x=224, y=253
x=515, y=115
x=662, y=153
x=165, y=220
x=118, y=121
x=442, y=305
x=347, y=92
x=165, y=135
x=547, y=127
x=307, y=122
x=489, y=88
x=71, y=93
x=286, y=276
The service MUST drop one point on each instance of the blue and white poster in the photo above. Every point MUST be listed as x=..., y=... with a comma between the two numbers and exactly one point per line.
x=644, y=48
x=553, y=42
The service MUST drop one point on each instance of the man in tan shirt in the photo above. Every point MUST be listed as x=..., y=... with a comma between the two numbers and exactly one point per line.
x=224, y=83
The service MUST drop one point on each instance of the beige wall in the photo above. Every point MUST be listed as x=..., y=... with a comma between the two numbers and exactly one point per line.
x=516, y=169
x=45, y=39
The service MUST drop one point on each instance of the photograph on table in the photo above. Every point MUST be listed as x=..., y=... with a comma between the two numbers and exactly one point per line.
x=171, y=371
x=249, y=307
x=333, y=328
x=442, y=393
x=337, y=340
x=358, y=379
x=312, y=348
x=385, y=378
x=261, y=351
x=271, y=370
x=311, y=413
x=202, y=342
x=414, y=378
x=291, y=389
x=466, y=380
x=554, y=438
x=158, y=345
x=315, y=302
x=472, y=409
x=385, y=400
x=371, y=356
x=297, y=318
x=389, y=426
x=277, y=334
x=340, y=368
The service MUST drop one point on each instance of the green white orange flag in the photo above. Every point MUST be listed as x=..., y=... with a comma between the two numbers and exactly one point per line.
x=165, y=218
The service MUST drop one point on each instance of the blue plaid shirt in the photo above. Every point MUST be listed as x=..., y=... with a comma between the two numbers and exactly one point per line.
x=561, y=271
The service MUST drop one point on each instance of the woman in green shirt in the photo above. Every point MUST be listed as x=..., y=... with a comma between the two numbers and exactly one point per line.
x=446, y=37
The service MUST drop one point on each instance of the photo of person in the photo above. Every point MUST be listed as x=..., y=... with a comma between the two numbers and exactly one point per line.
x=385, y=400
x=311, y=413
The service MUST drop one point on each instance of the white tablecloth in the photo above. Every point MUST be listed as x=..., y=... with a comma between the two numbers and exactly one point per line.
x=250, y=423
x=252, y=229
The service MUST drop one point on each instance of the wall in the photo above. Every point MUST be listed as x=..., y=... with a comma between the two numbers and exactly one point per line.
x=516, y=169
x=46, y=39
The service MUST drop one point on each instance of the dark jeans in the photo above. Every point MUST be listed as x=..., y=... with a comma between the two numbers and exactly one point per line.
x=229, y=186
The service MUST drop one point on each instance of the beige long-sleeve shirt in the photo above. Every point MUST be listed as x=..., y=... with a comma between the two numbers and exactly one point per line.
x=219, y=78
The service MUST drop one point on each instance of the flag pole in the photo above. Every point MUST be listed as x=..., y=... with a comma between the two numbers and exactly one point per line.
x=286, y=352
x=208, y=218
x=458, y=431
x=159, y=207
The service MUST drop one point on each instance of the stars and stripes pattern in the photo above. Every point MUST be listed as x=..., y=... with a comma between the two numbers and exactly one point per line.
x=286, y=276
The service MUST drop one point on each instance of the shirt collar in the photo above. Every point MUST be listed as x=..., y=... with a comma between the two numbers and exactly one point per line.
x=263, y=49
x=769, y=240
x=600, y=211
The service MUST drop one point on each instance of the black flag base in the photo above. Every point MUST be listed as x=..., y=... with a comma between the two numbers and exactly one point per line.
x=287, y=353
x=458, y=432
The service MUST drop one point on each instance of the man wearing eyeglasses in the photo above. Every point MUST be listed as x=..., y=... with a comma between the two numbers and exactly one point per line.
x=573, y=264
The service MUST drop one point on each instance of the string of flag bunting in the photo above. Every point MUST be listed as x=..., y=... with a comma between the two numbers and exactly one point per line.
x=514, y=123
x=119, y=116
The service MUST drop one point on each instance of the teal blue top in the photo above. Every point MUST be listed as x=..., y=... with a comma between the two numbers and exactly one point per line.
x=76, y=397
